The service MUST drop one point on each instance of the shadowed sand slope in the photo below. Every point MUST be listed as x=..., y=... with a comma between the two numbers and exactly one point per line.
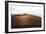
x=25, y=21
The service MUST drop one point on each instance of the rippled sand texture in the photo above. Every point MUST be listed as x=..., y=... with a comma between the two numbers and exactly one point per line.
x=25, y=21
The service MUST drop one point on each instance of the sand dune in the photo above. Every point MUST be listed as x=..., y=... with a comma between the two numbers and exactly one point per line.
x=25, y=21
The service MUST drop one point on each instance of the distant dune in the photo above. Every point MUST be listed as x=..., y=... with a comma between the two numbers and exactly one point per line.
x=25, y=21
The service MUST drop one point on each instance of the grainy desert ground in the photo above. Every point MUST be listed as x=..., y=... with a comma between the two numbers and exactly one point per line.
x=25, y=21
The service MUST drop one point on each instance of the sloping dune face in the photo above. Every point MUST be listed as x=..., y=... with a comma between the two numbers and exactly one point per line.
x=25, y=20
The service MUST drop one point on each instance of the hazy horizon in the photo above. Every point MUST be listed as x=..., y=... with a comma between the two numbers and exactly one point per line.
x=19, y=8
